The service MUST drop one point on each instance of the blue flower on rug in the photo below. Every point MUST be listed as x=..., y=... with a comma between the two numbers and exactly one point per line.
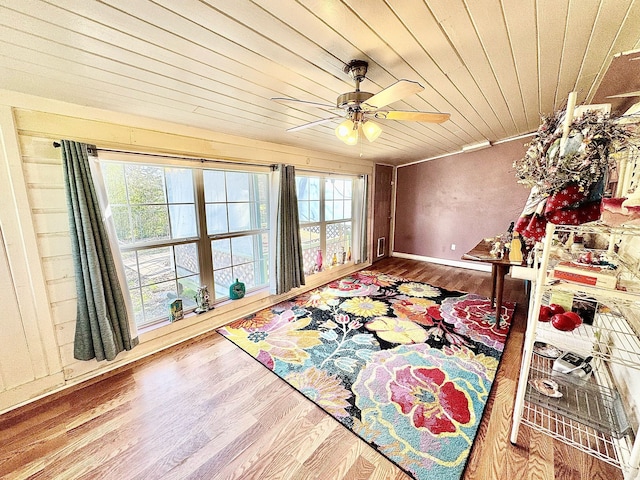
x=405, y=365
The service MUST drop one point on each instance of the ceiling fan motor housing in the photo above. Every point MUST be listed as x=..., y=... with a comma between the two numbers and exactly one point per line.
x=353, y=99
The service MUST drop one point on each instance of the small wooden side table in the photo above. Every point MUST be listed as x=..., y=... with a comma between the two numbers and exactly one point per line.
x=499, y=268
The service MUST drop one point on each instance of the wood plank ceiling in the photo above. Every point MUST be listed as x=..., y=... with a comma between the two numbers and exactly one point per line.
x=494, y=65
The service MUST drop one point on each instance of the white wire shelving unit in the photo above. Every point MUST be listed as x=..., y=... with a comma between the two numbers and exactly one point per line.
x=590, y=415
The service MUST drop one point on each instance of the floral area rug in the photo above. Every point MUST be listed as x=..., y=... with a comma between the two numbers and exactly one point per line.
x=405, y=365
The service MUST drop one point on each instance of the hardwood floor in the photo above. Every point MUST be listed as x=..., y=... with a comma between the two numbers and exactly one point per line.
x=205, y=409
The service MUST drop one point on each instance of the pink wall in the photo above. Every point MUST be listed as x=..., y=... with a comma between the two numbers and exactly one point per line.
x=458, y=199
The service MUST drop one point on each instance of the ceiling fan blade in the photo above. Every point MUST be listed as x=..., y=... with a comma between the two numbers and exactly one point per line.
x=625, y=95
x=393, y=93
x=306, y=102
x=312, y=124
x=431, y=117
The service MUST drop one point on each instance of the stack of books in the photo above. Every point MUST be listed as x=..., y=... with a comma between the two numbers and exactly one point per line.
x=592, y=275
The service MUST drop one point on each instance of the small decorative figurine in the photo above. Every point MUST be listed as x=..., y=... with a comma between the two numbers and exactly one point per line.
x=175, y=310
x=319, y=261
x=202, y=300
x=236, y=290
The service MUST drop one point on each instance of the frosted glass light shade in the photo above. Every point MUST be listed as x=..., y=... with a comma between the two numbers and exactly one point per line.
x=344, y=129
x=371, y=130
x=347, y=132
x=352, y=138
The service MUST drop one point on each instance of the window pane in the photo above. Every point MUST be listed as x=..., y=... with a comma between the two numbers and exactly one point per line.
x=186, y=259
x=240, y=216
x=214, y=187
x=187, y=289
x=303, y=211
x=348, y=189
x=216, y=218
x=310, y=238
x=130, y=261
x=156, y=265
x=328, y=189
x=156, y=299
x=347, y=209
x=136, y=300
x=314, y=211
x=145, y=184
x=338, y=210
x=238, y=187
x=264, y=215
x=338, y=240
x=222, y=280
x=150, y=222
x=302, y=189
x=314, y=188
x=328, y=211
x=246, y=274
x=242, y=249
x=113, y=174
x=183, y=221
x=221, y=253
x=122, y=223
x=179, y=185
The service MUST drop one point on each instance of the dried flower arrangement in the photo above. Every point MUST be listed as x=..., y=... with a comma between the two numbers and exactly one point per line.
x=592, y=137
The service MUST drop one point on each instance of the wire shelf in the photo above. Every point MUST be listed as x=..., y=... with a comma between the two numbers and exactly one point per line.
x=611, y=337
x=589, y=403
x=601, y=228
x=576, y=434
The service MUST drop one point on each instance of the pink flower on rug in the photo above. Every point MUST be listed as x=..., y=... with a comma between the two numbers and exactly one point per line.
x=433, y=402
x=435, y=397
x=473, y=316
x=283, y=338
x=324, y=389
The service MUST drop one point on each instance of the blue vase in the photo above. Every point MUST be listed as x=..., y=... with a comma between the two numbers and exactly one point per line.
x=236, y=290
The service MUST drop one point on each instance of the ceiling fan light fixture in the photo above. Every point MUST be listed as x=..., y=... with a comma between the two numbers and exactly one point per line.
x=371, y=130
x=347, y=132
x=344, y=129
x=352, y=138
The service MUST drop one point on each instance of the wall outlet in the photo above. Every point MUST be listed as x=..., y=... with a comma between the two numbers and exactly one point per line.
x=453, y=246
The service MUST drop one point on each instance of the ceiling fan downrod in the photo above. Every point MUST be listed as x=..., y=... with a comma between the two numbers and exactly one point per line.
x=352, y=100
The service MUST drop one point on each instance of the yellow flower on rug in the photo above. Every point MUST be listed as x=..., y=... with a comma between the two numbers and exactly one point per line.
x=323, y=388
x=415, y=289
x=282, y=339
x=396, y=330
x=364, y=307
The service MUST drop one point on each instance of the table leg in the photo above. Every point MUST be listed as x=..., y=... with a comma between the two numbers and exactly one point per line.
x=494, y=274
x=502, y=270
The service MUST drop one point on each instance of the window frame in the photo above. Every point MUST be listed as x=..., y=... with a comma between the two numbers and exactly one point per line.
x=203, y=239
x=323, y=223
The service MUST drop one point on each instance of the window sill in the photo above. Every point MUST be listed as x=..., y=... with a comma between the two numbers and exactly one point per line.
x=221, y=309
x=230, y=310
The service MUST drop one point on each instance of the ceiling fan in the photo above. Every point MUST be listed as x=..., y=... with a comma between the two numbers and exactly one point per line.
x=360, y=107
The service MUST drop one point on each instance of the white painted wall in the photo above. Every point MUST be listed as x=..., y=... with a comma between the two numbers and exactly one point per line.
x=37, y=288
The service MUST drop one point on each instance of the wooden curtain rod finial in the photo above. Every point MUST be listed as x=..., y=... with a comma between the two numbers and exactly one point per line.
x=57, y=144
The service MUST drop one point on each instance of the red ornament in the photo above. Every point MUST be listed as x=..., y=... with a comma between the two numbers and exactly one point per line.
x=555, y=308
x=545, y=313
x=563, y=322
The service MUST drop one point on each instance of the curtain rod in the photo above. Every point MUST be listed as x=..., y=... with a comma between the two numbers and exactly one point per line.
x=229, y=162
x=179, y=157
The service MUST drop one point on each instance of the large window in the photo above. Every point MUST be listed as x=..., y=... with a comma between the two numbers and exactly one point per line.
x=325, y=211
x=179, y=228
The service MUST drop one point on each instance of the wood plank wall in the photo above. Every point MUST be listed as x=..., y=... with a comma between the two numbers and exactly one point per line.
x=41, y=165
